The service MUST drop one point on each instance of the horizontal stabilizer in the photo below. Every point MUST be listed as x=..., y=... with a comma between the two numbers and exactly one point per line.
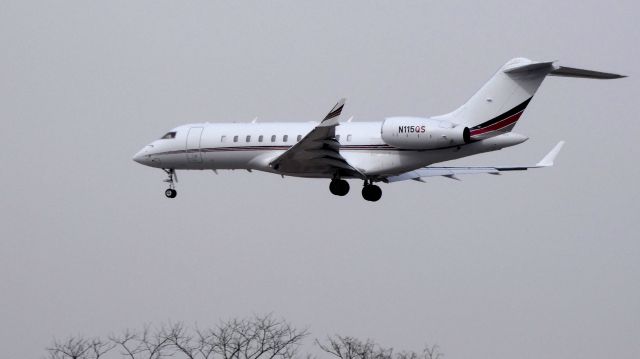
x=582, y=73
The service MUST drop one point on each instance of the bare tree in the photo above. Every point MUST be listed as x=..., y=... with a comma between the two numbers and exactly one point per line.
x=432, y=352
x=353, y=348
x=183, y=342
x=71, y=348
x=98, y=348
x=147, y=344
x=429, y=352
x=79, y=348
x=258, y=337
x=261, y=337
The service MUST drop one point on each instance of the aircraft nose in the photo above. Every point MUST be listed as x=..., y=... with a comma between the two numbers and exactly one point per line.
x=142, y=156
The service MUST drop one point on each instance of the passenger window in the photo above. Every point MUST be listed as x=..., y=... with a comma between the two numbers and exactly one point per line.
x=299, y=138
x=223, y=138
x=273, y=138
x=285, y=138
x=168, y=136
x=248, y=138
x=348, y=138
x=235, y=138
x=260, y=138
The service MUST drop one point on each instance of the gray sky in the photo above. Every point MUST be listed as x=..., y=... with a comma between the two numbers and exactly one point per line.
x=528, y=265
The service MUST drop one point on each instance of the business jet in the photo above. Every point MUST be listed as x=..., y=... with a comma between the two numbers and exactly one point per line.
x=395, y=149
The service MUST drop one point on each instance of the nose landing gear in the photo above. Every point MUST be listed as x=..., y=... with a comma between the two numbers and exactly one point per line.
x=171, y=191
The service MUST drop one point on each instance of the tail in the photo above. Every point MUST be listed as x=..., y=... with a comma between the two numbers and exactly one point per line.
x=497, y=106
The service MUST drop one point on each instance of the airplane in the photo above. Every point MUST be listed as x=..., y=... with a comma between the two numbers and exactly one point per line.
x=395, y=149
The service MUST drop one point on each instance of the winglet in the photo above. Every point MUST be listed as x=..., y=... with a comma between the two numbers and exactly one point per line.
x=334, y=115
x=547, y=161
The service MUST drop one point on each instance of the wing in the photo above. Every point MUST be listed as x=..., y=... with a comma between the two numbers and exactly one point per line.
x=452, y=172
x=318, y=152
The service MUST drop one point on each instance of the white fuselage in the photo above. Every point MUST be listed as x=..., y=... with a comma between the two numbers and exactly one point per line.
x=252, y=146
x=393, y=150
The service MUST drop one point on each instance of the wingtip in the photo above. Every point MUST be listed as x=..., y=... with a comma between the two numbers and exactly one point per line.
x=333, y=116
x=548, y=160
x=340, y=103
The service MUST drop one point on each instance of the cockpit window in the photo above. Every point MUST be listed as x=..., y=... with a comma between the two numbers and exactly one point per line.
x=168, y=136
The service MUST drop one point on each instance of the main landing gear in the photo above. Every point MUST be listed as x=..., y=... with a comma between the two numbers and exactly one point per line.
x=171, y=191
x=339, y=187
x=370, y=192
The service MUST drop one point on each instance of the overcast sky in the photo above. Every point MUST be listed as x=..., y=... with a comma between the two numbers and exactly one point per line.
x=538, y=264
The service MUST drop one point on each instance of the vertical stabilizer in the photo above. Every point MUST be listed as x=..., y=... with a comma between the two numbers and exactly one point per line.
x=498, y=105
x=500, y=102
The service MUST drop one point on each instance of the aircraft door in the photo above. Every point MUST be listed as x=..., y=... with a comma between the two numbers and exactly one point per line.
x=193, y=144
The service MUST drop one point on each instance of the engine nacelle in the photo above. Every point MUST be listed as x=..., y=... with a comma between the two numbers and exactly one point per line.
x=415, y=133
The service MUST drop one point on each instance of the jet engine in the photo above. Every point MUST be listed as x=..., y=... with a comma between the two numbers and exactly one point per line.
x=416, y=133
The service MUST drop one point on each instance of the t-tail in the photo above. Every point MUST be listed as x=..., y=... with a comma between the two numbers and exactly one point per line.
x=498, y=105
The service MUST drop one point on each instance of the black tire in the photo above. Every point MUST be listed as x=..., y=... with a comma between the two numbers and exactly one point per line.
x=339, y=187
x=371, y=193
x=376, y=193
x=171, y=193
x=344, y=187
x=334, y=187
x=366, y=192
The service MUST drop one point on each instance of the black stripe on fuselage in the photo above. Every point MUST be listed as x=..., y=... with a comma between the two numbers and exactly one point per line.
x=501, y=117
x=380, y=147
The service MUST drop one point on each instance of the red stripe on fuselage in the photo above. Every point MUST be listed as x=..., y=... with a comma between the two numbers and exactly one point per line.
x=498, y=125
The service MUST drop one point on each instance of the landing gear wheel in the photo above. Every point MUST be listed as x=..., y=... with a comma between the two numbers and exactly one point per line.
x=171, y=193
x=171, y=178
x=371, y=192
x=339, y=187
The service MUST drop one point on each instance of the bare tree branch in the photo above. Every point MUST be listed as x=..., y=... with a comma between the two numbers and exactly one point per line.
x=181, y=340
x=71, y=348
x=432, y=352
x=128, y=343
x=352, y=348
x=148, y=344
x=260, y=337
x=98, y=348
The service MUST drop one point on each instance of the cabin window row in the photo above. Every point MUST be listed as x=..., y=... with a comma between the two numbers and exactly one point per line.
x=285, y=138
